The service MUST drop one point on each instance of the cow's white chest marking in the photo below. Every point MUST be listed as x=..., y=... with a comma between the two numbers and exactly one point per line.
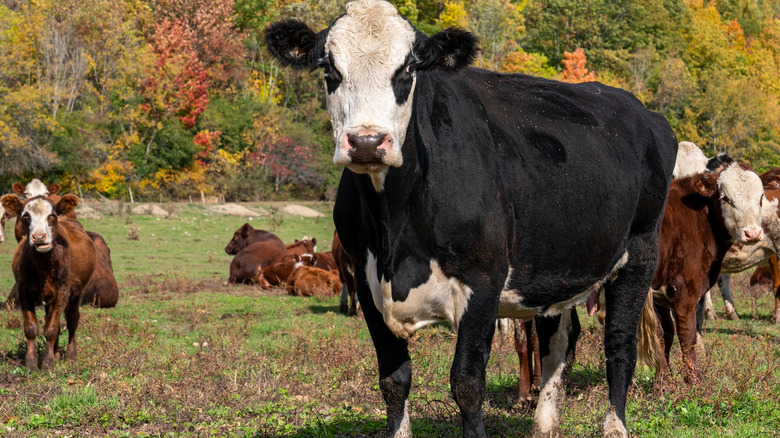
x=440, y=298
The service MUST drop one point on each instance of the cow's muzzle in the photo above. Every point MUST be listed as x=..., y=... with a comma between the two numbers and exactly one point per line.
x=368, y=149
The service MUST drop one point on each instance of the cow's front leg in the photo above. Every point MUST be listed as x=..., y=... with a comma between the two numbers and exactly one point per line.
x=472, y=351
x=557, y=341
x=395, y=368
x=30, y=323
x=51, y=331
x=685, y=317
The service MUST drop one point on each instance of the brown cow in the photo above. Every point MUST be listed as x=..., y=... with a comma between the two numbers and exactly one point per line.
x=527, y=347
x=249, y=261
x=277, y=273
x=307, y=281
x=762, y=276
x=246, y=235
x=325, y=260
x=304, y=246
x=101, y=290
x=704, y=214
x=53, y=263
x=347, y=276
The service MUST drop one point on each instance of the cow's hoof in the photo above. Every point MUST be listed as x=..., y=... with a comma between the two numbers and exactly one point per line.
x=48, y=363
x=31, y=364
x=70, y=352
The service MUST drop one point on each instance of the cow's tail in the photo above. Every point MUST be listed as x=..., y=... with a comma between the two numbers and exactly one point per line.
x=648, y=346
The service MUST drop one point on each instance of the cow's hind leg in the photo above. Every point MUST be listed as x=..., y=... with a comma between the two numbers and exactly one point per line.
x=72, y=319
x=625, y=298
x=557, y=340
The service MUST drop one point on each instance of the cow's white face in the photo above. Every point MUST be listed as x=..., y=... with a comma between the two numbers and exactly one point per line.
x=39, y=217
x=370, y=77
x=371, y=58
x=741, y=200
x=35, y=188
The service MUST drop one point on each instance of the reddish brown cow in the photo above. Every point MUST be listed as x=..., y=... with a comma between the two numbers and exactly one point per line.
x=246, y=235
x=101, y=290
x=348, y=303
x=325, y=260
x=304, y=246
x=307, y=281
x=702, y=214
x=53, y=263
x=762, y=276
x=249, y=261
x=277, y=273
x=527, y=347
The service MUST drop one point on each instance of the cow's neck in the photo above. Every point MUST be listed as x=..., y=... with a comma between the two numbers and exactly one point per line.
x=723, y=239
x=389, y=207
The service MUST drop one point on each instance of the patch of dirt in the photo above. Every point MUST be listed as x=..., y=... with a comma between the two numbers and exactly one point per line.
x=299, y=210
x=151, y=209
x=84, y=211
x=234, y=209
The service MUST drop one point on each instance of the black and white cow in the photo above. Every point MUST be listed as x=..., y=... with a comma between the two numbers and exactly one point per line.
x=469, y=195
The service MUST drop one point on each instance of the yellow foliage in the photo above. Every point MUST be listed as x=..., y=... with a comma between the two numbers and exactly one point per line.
x=267, y=92
x=179, y=183
x=110, y=178
x=453, y=15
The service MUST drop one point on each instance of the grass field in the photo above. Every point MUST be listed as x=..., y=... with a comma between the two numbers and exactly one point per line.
x=184, y=354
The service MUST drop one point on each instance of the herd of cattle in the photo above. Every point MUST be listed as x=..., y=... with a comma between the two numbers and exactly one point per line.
x=467, y=196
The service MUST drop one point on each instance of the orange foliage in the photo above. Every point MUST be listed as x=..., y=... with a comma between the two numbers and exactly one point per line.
x=575, y=71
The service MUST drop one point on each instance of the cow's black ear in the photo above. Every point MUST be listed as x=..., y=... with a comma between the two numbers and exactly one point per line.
x=450, y=49
x=293, y=43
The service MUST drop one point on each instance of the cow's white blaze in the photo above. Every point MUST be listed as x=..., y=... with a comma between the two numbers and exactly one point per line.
x=41, y=235
x=690, y=160
x=35, y=188
x=440, y=298
x=741, y=200
x=368, y=45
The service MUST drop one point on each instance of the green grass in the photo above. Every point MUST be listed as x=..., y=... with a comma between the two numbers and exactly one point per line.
x=184, y=354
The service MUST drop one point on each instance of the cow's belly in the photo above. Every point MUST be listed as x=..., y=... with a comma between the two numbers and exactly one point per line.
x=510, y=304
x=443, y=298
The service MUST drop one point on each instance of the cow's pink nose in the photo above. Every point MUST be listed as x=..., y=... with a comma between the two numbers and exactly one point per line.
x=38, y=237
x=752, y=235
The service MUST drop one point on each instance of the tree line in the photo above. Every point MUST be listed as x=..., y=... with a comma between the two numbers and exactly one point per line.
x=173, y=99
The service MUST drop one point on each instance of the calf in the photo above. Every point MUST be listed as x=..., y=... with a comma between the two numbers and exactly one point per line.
x=245, y=235
x=247, y=262
x=303, y=246
x=52, y=263
x=347, y=303
x=307, y=281
x=277, y=273
x=703, y=216
x=33, y=189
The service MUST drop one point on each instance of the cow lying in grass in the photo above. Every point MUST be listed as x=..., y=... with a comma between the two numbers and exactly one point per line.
x=307, y=281
x=52, y=263
x=245, y=235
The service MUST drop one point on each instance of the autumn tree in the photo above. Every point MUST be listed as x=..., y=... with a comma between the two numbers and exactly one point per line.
x=574, y=67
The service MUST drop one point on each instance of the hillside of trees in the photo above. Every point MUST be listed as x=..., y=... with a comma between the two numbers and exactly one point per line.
x=174, y=98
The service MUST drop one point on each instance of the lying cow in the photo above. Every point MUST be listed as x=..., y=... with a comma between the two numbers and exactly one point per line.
x=52, y=263
x=308, y=281
x=248, y=262
x=704, y=214
x=245, y=235
x=470, y=195
x=278, y=273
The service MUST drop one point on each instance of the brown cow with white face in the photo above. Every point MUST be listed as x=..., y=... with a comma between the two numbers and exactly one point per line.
x=704, y=215
x=53, y=262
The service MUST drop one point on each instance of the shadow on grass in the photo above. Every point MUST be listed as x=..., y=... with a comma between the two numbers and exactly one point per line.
x=319, y=309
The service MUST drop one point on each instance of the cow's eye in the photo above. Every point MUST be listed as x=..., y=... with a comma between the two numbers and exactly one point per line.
x=727, y=200
x=26, y=218
x=410, y=68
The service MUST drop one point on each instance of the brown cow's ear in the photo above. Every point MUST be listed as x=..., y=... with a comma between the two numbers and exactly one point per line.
x=53, y=188
x=245, y=229
x=18, y=188
x=297, y=257
x=67, y=204
x=314, y=241
x=705, y=184
x=12, y=204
